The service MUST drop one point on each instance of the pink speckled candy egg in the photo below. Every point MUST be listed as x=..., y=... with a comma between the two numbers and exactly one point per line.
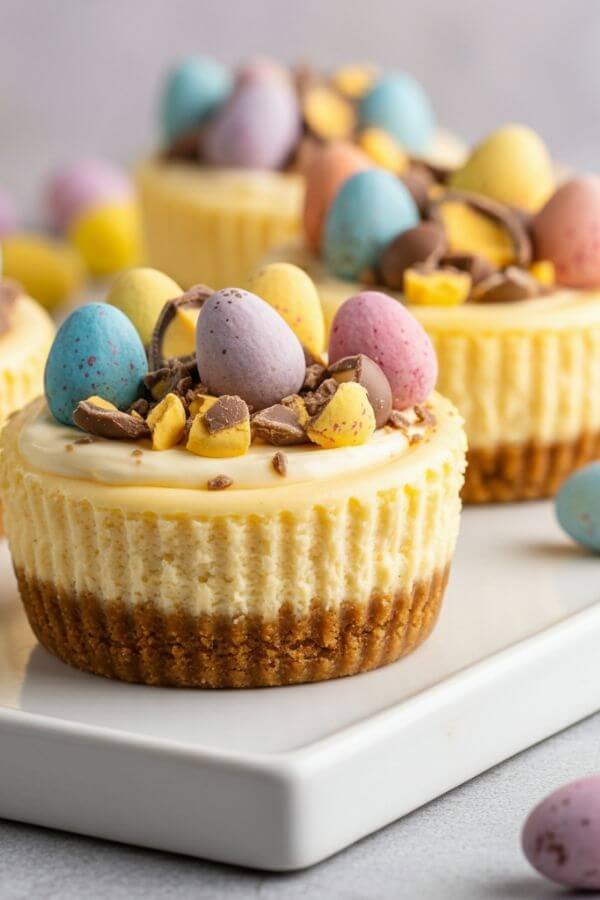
x=567, y=231
x=258, y=126
x=9, y=220
x=378, y=326
x=561, y=837
x=82, y=185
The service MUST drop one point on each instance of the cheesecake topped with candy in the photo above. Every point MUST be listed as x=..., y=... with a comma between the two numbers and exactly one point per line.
x=247, y=512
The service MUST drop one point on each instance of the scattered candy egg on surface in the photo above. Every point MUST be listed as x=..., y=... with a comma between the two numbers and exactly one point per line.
x=258, y=126
x=49, y=270
x=82, y=185
x=511, y=165
x=578, y=506
x=328, y=169
x=108, y=237
x=244, y=348
x=9, y=219
x=141, y=293
x=371, y=209
x=290, y=291
x=96, y=351
x=193, y=91
x=347, y=420
x=566, y=231
x=398, y=104
x=378, y=326
x=561, y=837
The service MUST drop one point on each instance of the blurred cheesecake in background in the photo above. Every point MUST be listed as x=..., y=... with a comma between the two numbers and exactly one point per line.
x=229, y=181
x=502, y=267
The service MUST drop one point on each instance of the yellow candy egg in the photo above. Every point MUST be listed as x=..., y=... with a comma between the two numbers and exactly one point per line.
x=141, y=294
x=355, y=79
x=167, y=422
x=228, y=442
x=346, y=421
x=49, y=270
x=381, y=147
x=444, y=287
x=290, y=291
x=108, y=237
x=512, y=165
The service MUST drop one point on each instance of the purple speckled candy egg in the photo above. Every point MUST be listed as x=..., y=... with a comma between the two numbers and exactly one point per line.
x=244, y=347
x=378, y=326
x=561, y=837
x=9, y=219
x=96, y=352
x=258, y=126
x=82, y=185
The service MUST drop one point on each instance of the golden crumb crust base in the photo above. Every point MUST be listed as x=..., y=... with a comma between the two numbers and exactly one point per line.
x=525, y=472
x=148, y=646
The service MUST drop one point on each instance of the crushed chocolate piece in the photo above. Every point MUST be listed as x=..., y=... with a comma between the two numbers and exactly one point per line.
x=69, y=448
x=184, y=146
x=109, y=423
x=500, y=213
x=316, y=400
x=195, y=297
x=423, y=245
x=399, y=421
x=137, y=452
x=141, y=407
x=510, y=286
x=219, y=483
x=364, y=371
x=227, y=412
x=315, y=374
x=176, y=377
x=478, y=267
x=414, y=438
x=278, y=425
x=279, y=463
x=424, y=415
x=84, y=440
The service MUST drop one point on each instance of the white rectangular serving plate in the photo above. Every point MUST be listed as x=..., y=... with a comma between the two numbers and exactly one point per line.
x=281, y=778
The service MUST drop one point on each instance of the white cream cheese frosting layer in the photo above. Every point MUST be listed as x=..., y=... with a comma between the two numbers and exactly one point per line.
x=51, y=447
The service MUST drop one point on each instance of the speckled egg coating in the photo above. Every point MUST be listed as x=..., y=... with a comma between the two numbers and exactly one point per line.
x=369, y=211
x=578, y=506
x=290, y=291
x=561, y=837
x=567, y=232
x=328, y=169
x=96, y=351
x=9, y=219
x=257, y=128
x=378, y=326
x=194, y=89
x=81, y=186
x=399, y=105
x=246, y=349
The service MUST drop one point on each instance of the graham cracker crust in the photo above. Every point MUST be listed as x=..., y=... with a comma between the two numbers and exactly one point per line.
x=147, y=646
x=526, y=471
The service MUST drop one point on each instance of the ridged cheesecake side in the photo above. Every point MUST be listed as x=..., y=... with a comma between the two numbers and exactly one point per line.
x=322, y=583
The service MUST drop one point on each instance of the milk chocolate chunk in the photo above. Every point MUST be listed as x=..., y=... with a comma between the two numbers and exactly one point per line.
x=316, y=400
x=195, y=297
x=315, y=374
x=279, y=463
x=423, y=245
x=109, y=423
x=177, y=377
x=278, y=425
x=478, y=267
x=510, y=286
x=367, y=373
x=219, y=483
x=227, y=412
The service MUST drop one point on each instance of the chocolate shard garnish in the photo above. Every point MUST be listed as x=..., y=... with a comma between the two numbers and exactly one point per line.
x=279, y=463
x=177, y=377
x=364, y=371
x=195, y=297
x=278, y=425
x=316, y=400
x=315, y=374
x=109, y=423
x=219, y=483
x=227, y=412
x=503, y=215
x=510, y=286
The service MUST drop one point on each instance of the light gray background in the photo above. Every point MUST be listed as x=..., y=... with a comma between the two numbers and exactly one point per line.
x=80, y=76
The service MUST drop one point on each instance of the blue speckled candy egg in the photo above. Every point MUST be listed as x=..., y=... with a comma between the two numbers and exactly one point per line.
x=193, y=91
x=399, y=105
x=578, y=506
x=245, y=348
x=370, y=209
x=97, y=351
